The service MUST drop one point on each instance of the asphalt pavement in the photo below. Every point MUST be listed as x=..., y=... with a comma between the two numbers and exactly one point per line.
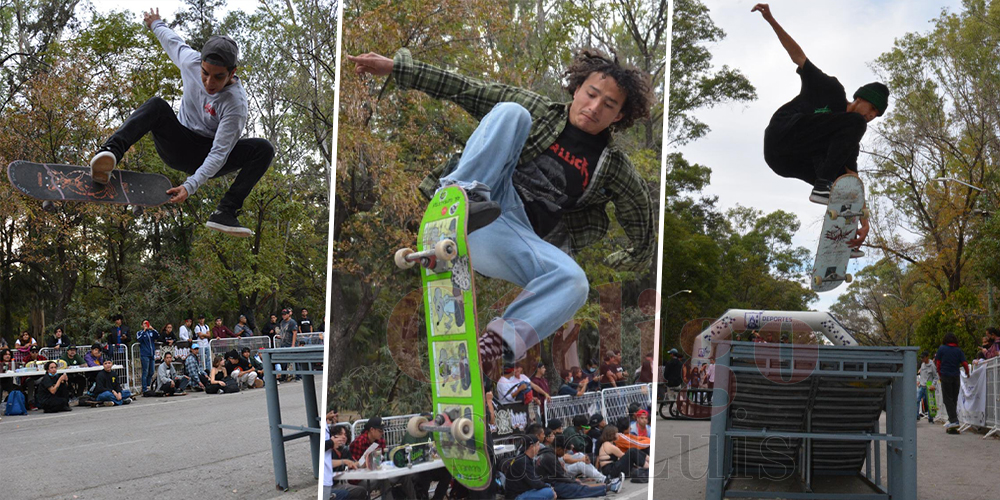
x=194, y=446
x=954, y=467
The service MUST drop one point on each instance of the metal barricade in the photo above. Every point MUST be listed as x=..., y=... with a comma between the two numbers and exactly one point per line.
x=54, y=353
x=992, y=375
x=120, y=355
x=615, y=401
x=222, y=346
x=310, y=338
x=393, y=428
x=566, y=407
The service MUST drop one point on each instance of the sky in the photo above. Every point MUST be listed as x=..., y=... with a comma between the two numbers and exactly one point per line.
x=841, y=38
x=167, y=7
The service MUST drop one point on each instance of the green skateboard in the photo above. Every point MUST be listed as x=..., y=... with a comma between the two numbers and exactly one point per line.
x=931, y=401
x=459, y=424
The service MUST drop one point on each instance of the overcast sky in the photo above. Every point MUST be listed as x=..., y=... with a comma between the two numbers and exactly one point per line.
x=840, y=37
x=167, y=7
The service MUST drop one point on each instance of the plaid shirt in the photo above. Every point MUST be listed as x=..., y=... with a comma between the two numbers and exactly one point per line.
x=361, y=443
x=615, y=179
x=193, y=368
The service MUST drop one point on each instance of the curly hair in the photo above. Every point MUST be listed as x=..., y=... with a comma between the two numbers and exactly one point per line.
x=634, y=82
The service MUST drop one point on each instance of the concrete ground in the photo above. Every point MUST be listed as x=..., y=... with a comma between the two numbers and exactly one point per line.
x=948, y=466
x=193, y=446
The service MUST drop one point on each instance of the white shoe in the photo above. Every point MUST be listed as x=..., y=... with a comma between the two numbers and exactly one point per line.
x=101, y=166
x=857, y=253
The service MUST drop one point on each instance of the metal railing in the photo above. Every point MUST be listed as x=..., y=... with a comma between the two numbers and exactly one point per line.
x=616, y=400
x=393, y=429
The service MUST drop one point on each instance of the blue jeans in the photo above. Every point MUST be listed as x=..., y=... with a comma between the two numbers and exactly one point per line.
x=147, y=371
x=554, y=285
x=922, y=399
x=542, y=494
x=107, y=396
x=577, y=490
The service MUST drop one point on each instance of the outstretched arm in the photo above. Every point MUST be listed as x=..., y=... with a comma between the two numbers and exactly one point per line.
x=793, y=49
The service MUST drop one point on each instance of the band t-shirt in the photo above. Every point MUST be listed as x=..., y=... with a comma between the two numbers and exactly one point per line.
x=286, y=329
x=305, y=325
x=568, y=165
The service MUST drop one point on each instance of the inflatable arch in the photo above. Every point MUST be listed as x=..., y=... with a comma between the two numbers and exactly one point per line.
x=741, y=320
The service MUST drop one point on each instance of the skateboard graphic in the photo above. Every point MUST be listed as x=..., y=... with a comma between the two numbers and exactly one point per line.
x=408, y=455
x=931, y=401
x=51, y=182
x=840, y=224
x=459, y=406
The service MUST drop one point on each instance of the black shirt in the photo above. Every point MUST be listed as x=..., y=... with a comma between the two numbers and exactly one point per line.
x=820, y=93
x=106, y=381
x=673, y=372
x=305, y=325
x=48, y=381
x=242, y=364
x=521, y=476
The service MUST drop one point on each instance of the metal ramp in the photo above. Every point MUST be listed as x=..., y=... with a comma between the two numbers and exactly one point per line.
x=802, y=421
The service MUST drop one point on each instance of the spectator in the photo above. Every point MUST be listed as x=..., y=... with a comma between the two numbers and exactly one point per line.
x=272, y=328
x=168, y=381
x=614, y=462
x=597, y=424
x=927, y=380
x=674, y=370
x=168, y=335
x=540, y=383
x=7, y=383
x=24, y=342
x=194, y=368
x=221, y=331
x=186, y=334
x=593, y=376
x=576, y=435
x=641, y=425
x=147, y=338
x=33, y=356
x=372, y=433
x=242, y=329
x=991, y=347
x=217, y=377
x=555, y=425
x=95, y=357
x=708, y=377
x=288, y=329
x=336, y=459
x=239, y=369
x=565, y=486
x=611, y=371
x=108, y=389
x=305, y=324
x=58, y=339
x=513, y=386
x=118, y=336
x=202, y=334
x=570, y=387
x=256, y=364
x=577, y=464
x=523, y=482
x=78, y=383
x=53, y=390
x=646, y=370
x=949, y=359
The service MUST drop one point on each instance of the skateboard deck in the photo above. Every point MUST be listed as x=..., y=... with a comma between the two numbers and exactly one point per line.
x=931, y=402
x=408, y=455
x=52, y=182
x=840, y=223
x=459, y=406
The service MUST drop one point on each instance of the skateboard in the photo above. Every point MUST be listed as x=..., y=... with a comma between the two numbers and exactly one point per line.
x=459, y=406
x=408, y=455
x=840, y=223
x=931, y=401
x=51, y=182
x=952, y=430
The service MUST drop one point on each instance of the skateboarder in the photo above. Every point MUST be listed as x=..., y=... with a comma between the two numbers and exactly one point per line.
x=549, y=169
x=816, y=136
x=203, y=140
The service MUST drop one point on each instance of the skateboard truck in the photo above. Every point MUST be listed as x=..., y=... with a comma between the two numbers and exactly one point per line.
x=444, y=250
x=460, y=428
x=819, y=280
x=847, y=214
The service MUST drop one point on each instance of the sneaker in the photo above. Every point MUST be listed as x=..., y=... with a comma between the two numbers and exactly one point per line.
x=857, y=253
x=930, y=420
x=820, y=193
x=481, y=211
x=108, y=403
x=615, y=485
x=101, y=166
x=227, y=222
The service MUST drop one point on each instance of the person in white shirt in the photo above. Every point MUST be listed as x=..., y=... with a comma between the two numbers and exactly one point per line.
x=202, y=334
x=926, y=373
x=185, y=334
x=203, y=139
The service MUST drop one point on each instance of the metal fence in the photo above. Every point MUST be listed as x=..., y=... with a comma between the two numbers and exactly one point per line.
x=222, y=346
x=310, y=338
x=616, y=400
x=566, y=407
x=992, y=380
x=393, y=428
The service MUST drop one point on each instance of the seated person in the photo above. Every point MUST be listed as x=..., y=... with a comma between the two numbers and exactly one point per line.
x=338, y=458
x=33, y=355
x=576, y=436
x=614, y=462
x=94, y=358
x=548, y=466
x=571, y=385
x=216, y=377
x=239, y=368
x=255, y=363
x=7, y=384
x=24, y=342
x=78, y=382
x=53, y=390
x=641, y=425
x=168, y=381
x=597, y=423
x=109, y=389
x=513, y=386
x=195, y=369
x=371, y=433
x=575, y=463
x=523, y=482
x=58, y=339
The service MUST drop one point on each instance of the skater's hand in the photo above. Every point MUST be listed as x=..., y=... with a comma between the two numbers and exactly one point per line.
x=622, y=261
x=860, y=235
x=764, y=10
x=371, y=63
x=180, y=193
x=148, y=18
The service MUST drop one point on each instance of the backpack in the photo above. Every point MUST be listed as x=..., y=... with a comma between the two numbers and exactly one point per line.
x=232, y=385
x=15, y=404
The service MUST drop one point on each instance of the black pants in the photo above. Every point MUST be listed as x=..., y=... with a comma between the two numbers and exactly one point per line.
x=182, y=149
x=633, y=459
x=820, y=146
x=949, y=390
x=53, y=403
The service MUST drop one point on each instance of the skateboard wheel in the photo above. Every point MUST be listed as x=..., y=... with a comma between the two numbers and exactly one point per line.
x=445, y=250
x=413, y=426
x=817, y=280
x=400, y=258
x=48, y=206
x=462, y=429
x=848, y=278
x=833, y=214
x=137, y=210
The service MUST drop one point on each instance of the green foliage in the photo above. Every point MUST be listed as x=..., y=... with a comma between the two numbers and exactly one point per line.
x=953, y=315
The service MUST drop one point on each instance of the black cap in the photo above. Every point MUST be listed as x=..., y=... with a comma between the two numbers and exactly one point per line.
x=529, y=439
x=220, y=50
x=373, y=423
x=555, y=423
x=596, y=419
x=579, y=420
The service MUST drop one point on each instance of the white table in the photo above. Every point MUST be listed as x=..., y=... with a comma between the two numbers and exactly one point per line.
x=68, y=370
